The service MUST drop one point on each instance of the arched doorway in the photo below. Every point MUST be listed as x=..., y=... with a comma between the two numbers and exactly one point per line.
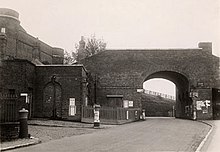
x=184, y=104
x=52, y=106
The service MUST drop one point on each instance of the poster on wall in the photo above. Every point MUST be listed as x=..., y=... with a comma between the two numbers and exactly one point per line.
x=199, y=105
x=72, y=107
x=72, y=101
x=130, y=103
x=125, y=103
x=203, y=105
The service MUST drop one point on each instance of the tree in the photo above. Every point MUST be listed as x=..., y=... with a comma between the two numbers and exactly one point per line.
x=88, y=47
x=68, y=58
x=94, y=46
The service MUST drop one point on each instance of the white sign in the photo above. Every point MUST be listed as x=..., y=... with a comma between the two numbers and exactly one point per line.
x=130, y=103
x=72, y=110
x=201, y=104
x=26, y=97
x=96, y=116
x=140, y=90
x=125, y=103
x=72, y=101
x=72, y=107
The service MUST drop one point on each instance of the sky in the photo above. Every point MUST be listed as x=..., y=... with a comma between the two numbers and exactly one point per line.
x=160, y=85
x=122, y=23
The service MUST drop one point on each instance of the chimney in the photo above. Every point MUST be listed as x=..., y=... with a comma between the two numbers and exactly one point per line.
x=81, y=50
x=206, y=47
x=82, y=43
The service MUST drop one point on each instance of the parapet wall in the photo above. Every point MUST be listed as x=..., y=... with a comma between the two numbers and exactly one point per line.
x=6, y=12
x=21, y=45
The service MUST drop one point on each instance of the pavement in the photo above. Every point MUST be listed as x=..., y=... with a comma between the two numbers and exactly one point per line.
x=211, y=143
x=19, y=143
x=154, y=134
x=44, y=130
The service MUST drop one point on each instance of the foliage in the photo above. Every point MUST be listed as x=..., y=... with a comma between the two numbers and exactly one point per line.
x=89, y=46
x=68, y=58
x=94, y=46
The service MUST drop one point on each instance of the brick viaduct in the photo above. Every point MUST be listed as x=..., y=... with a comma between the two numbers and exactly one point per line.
x=195, y=73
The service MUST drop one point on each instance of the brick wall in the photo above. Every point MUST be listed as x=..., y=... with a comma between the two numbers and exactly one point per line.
x=18, y=74
x=21, y=45
x=73, y=83
x=120, y=71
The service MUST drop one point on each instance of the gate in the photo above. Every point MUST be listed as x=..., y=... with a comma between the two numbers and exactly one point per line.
x=9, y=108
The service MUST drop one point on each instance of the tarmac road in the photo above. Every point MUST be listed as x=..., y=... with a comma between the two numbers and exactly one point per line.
x=154, y=134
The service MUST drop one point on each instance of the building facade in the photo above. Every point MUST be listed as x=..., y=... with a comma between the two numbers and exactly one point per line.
x=33, y=76
x=19, y=44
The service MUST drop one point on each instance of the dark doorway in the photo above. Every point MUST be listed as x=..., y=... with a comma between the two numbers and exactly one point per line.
x=52, y=100
x=216, y=103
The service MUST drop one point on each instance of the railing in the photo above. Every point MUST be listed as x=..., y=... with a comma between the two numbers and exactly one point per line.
x=8, y=108
x=110, y=115
x=159, y=94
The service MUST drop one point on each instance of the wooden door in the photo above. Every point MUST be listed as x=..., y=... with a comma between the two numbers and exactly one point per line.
x=52, y=100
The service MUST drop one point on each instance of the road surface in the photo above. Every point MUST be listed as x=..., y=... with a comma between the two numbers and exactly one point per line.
x=154, y=134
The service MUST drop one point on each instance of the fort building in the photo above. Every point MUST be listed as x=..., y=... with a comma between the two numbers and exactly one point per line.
x=33, y=68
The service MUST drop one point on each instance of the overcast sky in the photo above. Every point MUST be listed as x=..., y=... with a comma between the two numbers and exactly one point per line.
x=122, y=23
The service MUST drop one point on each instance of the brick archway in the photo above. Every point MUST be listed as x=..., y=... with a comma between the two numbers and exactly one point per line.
x=182, y=91
x=52, y=100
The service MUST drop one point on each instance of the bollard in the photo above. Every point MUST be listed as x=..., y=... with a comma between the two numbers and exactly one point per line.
x=96, y=116
x=143, y=114
x=23, y=116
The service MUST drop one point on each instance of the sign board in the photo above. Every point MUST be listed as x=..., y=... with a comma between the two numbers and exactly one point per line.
x=72, y=110
x=96, y=116
x=130, y=103
x=72, y=101
x=72, y=107
x=140, y=90
x=201, y=105
x=125, y=103
x=26, y=97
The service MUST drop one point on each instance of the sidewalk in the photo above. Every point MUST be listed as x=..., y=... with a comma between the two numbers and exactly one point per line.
x=212, y=142
x=8, y=145
x=44, y=130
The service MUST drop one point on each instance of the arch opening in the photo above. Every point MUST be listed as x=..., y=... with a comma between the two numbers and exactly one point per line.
x=52, y=100
x=171, y=96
